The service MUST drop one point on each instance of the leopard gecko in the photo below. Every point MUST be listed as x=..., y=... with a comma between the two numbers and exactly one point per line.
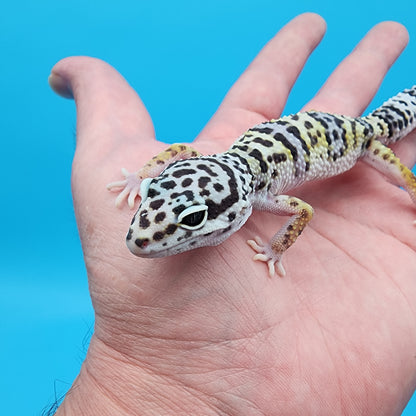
x=189, y=200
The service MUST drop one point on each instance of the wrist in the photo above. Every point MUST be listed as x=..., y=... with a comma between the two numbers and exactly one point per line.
x=111, y=384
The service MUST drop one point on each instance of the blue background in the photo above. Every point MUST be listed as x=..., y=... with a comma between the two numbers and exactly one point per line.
x=181, y=57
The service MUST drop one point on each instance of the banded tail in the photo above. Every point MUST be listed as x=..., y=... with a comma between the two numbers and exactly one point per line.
x=396, y=117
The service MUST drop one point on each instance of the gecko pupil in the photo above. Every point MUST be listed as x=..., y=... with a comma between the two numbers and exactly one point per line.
x=193, y=219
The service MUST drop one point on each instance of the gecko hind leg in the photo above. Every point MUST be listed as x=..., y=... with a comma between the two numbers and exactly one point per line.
x=383, y=159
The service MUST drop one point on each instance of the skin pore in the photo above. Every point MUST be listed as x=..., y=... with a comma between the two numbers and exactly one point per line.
x=207, y=332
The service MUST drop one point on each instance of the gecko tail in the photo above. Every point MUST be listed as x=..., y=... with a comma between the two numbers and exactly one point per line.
x=396, y=117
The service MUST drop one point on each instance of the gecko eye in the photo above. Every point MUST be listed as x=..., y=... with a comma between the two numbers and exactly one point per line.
x=193, y=217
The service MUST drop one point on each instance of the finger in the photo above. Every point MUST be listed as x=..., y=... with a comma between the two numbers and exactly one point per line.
x=353, y=84
x=261, y=92
x=406, y=150
x=108, y=109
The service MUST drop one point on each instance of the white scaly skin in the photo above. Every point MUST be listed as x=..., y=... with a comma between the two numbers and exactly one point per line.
x=202, y=200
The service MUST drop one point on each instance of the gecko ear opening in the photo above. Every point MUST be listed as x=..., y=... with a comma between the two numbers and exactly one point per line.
x=144, y=188
x=194, y=217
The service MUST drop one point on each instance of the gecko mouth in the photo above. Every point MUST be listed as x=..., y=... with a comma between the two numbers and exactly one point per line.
x=144, y=247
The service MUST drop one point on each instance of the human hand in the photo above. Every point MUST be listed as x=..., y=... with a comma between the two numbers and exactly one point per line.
x=207, y=331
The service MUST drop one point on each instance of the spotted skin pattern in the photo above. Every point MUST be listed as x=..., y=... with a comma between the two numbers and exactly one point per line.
x=191, y=201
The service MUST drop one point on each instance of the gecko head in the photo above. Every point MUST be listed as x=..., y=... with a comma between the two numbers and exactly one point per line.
x=192, y=203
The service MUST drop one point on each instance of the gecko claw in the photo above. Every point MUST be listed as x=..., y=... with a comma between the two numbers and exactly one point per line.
x=130, y=188
x=267, y=255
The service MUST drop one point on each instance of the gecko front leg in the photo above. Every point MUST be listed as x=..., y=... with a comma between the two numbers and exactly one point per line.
x=271, y=253
x=132, y=182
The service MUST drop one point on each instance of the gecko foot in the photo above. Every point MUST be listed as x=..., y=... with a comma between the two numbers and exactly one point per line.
x=130, y=188
x=267, y=255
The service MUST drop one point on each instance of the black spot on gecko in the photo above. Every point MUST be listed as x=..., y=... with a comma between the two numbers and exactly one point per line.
x=170, y=229
x=231, y=216
x=203, y=181
x=259, y=157
x=177, y=210
x=338, y=121
x=168, y=185
x=296, y=133
x=158, y=235
x=183, y=172
x=308, y=124
x=314, y=139
x=206, y=169
x=160, y=217
x=144, y=222
x=141, y=242
x=129, y=234
x=279, y=157
x=281, y=122
x=218, y=187
x=265, y=130
x=156, y=204
x=400, y=122
x=186, y=182
x=152, y=193
x=261, y=185
x=263, y=142
x=243, y=148
x=328, y=138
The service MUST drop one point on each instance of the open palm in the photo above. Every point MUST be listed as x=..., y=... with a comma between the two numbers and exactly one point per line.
x=208, y=332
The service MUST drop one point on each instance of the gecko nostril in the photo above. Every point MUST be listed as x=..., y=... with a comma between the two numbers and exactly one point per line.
x=141, y=242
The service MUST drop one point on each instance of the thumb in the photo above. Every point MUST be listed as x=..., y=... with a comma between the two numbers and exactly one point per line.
x=108, y=109
x=111, y=119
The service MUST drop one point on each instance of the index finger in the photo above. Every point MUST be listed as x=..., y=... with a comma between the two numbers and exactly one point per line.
x=262, y=90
